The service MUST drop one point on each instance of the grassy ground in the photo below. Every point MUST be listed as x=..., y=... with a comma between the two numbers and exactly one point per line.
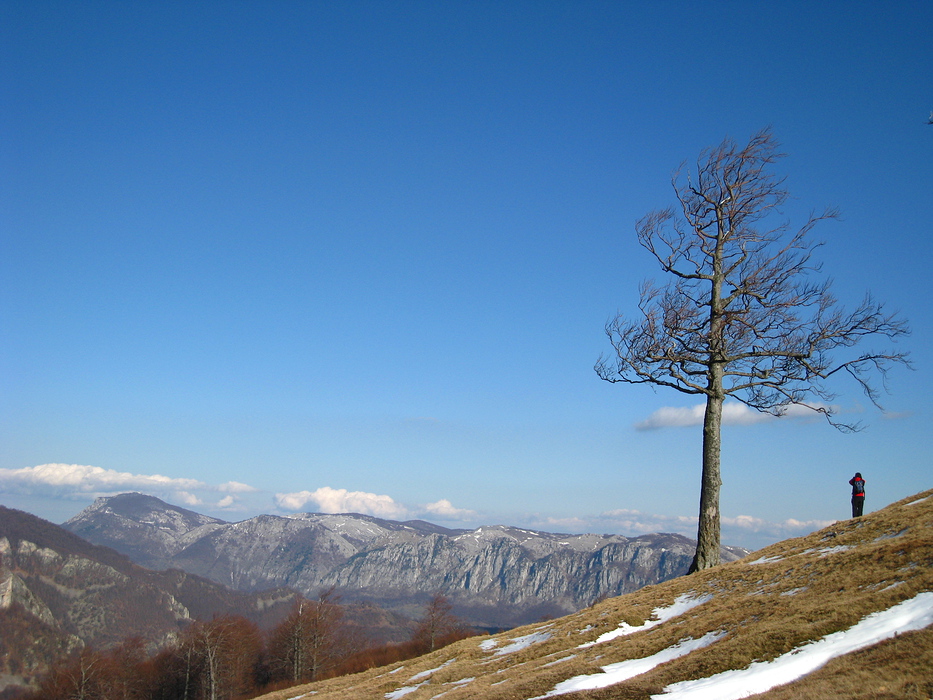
x=766, y=605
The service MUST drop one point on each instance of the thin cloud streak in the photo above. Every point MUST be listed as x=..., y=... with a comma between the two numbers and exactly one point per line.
x=733, y=413
x=636, y=521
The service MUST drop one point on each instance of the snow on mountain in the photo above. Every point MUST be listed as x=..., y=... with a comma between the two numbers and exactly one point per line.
x=497, y=576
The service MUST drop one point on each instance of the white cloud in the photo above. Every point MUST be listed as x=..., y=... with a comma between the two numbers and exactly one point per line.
x=445, y=509
x=329, y=500
x=571, y=524
x=627, y=521
x=784, y=528
x=733, y=413
x=236, y=487
x=83, y=480
x=188, y=499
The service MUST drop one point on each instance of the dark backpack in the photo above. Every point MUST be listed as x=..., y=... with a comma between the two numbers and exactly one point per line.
x=858, y=487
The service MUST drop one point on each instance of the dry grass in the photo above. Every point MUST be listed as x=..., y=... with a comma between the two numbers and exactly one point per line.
x=767, y=604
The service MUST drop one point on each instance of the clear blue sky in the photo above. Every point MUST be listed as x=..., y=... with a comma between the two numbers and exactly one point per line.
x=278, y=256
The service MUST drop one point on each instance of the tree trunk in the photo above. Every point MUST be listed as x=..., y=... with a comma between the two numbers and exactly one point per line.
x=707, y=554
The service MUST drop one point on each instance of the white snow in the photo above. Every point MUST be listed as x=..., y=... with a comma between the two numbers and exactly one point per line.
x=488, y=644
x=682, y=604
x=826, y=551
x=919, y=500
x=402, y=692
x=560, y=661
x=622, y=671
x=794, y=591
x=766, y=560
x=425, y=674
x=519, y=643
x=760, y=677
x=461, y=682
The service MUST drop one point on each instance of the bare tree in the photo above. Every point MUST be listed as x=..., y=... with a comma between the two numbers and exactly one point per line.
x=310, y=640
x=439, y=626
x=742, y=316
x=227, y=649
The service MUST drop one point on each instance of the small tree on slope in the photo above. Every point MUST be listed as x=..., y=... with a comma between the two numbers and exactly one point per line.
x=741, y=316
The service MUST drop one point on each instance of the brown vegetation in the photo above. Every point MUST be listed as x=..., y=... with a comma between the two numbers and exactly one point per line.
x=228, y=658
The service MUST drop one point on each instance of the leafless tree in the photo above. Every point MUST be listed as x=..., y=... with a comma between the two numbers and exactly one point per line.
x=439, y=625
x=227, y=650
x=310, y=640
x=742, y=315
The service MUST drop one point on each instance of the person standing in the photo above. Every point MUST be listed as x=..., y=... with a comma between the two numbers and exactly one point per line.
x=858, y=494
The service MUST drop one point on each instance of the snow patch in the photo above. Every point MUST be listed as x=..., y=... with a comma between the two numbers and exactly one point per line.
x=767, y=560
x=425, y=674
x=682, y=604
x=794, y=591
x=913, y=614
x=402, y=692
x=519, y=643
x=891, y=535
x=560, y=661
x=624, y=670
x=826, y=551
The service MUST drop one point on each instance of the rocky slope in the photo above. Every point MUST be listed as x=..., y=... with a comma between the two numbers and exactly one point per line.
x=496, y=576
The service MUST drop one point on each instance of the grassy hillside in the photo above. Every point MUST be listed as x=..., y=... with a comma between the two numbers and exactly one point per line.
x=741, y=615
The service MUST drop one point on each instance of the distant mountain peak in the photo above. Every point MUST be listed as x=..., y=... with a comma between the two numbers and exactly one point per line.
x=136, y=505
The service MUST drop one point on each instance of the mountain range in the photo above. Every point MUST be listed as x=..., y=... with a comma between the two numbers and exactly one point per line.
x=496, y=577
x=845, y=612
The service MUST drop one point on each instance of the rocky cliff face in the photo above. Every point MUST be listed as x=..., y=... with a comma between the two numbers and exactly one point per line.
x=496, y=576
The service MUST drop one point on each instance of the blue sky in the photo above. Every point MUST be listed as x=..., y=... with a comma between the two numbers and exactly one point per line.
x=296, y=256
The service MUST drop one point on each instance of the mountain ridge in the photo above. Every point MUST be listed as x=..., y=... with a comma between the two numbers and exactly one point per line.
x=496, y=576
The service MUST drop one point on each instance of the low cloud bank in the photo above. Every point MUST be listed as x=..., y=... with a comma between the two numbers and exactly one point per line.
x=82, y=482
x=331, y=500
x=74, y=482
x=743, y=530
